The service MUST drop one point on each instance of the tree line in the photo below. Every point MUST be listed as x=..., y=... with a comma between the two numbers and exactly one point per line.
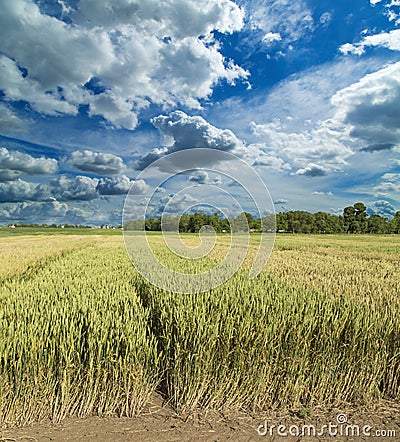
x=354, y=219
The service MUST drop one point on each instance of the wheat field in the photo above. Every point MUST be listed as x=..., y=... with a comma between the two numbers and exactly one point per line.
x=81, y=332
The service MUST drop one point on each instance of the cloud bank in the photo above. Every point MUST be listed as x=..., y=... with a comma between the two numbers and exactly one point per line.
x=116, y=58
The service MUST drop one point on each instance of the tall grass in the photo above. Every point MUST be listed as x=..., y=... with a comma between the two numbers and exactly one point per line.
x=86, y=334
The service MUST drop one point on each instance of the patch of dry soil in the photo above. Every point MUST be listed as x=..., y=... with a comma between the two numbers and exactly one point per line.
x=159, y=423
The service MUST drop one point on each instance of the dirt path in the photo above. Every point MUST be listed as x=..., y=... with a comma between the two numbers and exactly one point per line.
x=161, y=424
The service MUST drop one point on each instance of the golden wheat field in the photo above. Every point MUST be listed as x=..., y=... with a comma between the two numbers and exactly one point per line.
x=81, y=332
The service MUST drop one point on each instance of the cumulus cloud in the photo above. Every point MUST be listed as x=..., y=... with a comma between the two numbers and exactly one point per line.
x=305, y=96
x=382, y=208
x=115, y=109
x=14, y=163
x=65, y=188
x=43, y=212
x=138, y=53
x=176, y=18
x=79, y=188
x=271, y=37
x=97, y=162
x=322, y=144
x=195, y=132
x=371, y=107
x=183, y=132
x=10, y=122
x=176, y=204
x=361, y=115
x=121, y=186
x=16, y=86
x=139, y=187
x=20, y=190
x=34, y=211
x=114, y=185
x=199, y=177
x=9, y=175
x=150, y=157
x=262, y=158
x=312, y=170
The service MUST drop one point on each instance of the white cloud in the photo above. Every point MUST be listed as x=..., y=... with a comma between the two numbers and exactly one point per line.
x=349, y=48
x=299, y=122
x=325, y=18
x=320, y=193
x=382, y=208
x=292, y=19
x=79, y=188
x=97, y=162
x=121, y=186
x=139, y=187
x=138, y=54
x=389, y=186
x=261, y=157
x=300, y=100
x=176, y=204
x=150, y=157
x=114, y=185
x=199, y=177
x=195, y=132
x=114, y=109
x=271, y=37
x=194, y=70
x=20, y=190
x=179, y=18
x=390, y=40
x=10, y=122
x=43, y=212
x=312, y=170
x=361, y=115
x=392, y=12
x=182, y=132
x=33, y=211
x=371, y=107
x=9, y=175
x=17, y=87
x=321, y=144
x=13, y=164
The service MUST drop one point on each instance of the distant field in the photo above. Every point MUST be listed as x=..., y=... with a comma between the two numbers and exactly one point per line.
x=23, y=231
x=81, y=332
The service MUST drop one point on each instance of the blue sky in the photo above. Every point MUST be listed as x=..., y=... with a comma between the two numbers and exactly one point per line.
x=306, y=92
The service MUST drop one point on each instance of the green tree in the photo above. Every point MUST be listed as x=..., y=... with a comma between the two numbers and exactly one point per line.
x=269, y=223
x=395, y=223
x=282, y=223
x=361, y=217
x=153, y=224
x=349, y=216
x=378, y=224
